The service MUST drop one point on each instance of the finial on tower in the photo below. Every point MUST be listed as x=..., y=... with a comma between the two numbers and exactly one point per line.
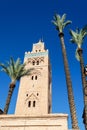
x=39, y=47
x=41, y=40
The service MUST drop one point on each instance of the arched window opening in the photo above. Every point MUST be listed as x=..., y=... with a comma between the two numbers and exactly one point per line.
x=27, y=95
x=36, y=77
x=33, y=62
x=32, y=77
x=34, y=103
x=38, y=62
x=37, y=94
x=29, y=104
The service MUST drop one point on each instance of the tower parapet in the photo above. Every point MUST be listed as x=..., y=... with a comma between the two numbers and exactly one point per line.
x=37, y=50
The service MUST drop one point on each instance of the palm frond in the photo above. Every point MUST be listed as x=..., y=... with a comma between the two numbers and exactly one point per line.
x=66, y=23
x=54, y=22
x=84, y=29
x=78, y=36
x=4, y=68
x=15, y=70
x=63, y=17
x=83, y=32
x=24, y=73
x=57, y=17
x=74, y=36
x=17, y=63
x=77, y=55
x=60, y=23
x=12, y=63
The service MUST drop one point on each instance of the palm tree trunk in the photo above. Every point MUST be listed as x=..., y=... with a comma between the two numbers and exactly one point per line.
x=69, y=85
x=11, y=89
x=84, y=84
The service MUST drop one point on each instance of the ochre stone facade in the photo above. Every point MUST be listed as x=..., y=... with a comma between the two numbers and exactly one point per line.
x=34, y=96
x=33, y=107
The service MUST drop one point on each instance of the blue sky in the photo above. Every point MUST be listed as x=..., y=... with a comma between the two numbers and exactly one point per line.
x=24, y=22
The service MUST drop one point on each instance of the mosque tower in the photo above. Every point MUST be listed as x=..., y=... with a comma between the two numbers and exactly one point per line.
x=34, y=97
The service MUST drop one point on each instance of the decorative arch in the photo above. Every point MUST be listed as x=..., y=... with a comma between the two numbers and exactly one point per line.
x=35, y=61
x=32, y=100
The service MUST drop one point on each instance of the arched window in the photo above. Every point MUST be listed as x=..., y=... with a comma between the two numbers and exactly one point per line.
x=32, y=77
x=36, y=77
x=27, y=95
x=37, y=94
x=34, y=103
x=33, y=62
x=29, y=104
x=38, y=62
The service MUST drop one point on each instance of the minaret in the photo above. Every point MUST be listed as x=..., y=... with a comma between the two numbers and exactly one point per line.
x=34, y=96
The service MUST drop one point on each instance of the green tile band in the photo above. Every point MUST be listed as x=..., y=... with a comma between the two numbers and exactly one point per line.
x=29, y=55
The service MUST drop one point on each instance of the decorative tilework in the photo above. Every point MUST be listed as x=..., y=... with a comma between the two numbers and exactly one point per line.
x=36, y=54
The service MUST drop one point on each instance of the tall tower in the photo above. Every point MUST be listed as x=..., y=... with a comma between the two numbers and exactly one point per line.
x=34, y=97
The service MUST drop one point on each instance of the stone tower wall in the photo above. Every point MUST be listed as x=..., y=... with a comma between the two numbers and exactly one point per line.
x=34, y=97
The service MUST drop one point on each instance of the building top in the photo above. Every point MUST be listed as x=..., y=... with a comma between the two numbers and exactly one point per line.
x=37, y=50
x=38, y=47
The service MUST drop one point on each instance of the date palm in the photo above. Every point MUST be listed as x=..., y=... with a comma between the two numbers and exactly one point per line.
x=60, y=24
x=78, y=38
x=15, y=70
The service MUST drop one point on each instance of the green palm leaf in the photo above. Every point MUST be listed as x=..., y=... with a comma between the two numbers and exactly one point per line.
x=60, y=23
x=4, y=68
x=77, y=55
x=63, y=17
x=74, y=37
x=78, y=38
x=14, y=69
x=66, y=23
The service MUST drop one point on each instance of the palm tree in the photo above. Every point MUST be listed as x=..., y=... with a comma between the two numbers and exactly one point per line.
x=78, y=38
x=15, y=70
x=60, y=24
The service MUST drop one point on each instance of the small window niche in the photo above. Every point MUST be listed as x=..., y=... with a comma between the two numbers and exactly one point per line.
x=36, y=77
x=32, y=77
x=34, y=103
x=37, y=94
x=33, y=63
x=38, y=62
x=27, y=95
x=29, y=104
